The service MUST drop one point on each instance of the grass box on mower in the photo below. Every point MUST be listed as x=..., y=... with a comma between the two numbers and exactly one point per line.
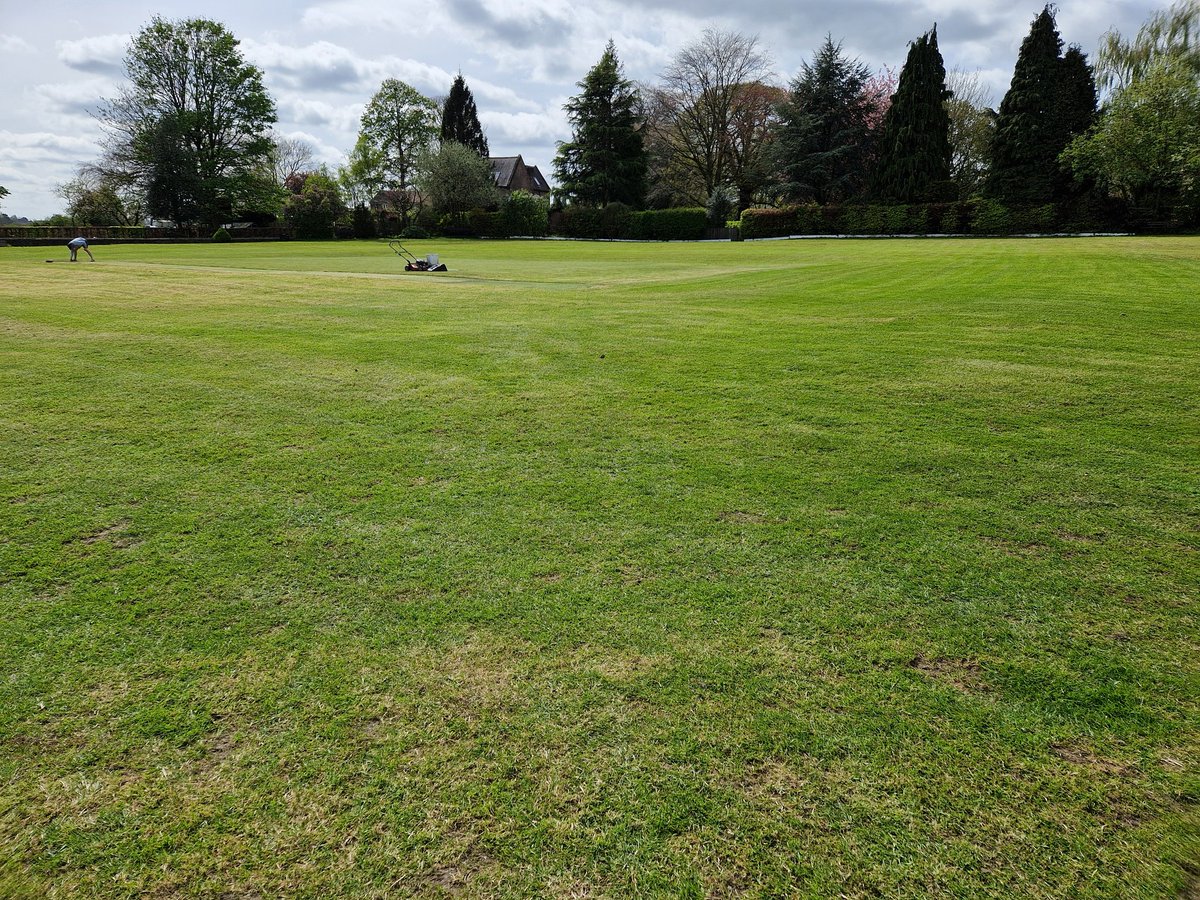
x=413, y=264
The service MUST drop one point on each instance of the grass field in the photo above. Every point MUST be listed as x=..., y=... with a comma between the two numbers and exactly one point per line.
x=806, y=569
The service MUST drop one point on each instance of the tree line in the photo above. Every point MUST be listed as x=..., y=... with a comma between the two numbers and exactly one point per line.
x=714, y=131
x=190, y=140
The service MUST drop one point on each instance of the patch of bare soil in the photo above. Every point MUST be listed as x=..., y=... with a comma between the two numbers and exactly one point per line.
x=771, y=779
x=1086, y=758
x=741, y=517
x=1015, y=548
x=1073, y=537
x=964, y=674
x=115, y=534
x=453, y=878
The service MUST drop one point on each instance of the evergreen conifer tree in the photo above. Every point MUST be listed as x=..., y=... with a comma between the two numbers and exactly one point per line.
x=460, y=119
x=823, y=133
x=1075, y=109
x=605, y=160
x=1028, y=137
x=914, y=140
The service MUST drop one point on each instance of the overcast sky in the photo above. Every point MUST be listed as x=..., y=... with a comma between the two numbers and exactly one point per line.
x=323, y=59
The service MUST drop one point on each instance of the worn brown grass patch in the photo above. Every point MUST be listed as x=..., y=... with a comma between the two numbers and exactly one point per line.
x=1086, y=758
x=964, y=674
x=116, y=534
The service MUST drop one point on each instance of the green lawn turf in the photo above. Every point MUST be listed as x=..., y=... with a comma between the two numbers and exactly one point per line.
x=813, y=569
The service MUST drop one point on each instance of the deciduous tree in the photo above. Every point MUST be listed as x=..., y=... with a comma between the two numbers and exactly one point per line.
x=455, y=179
x=751, y=135
x=397, y=127
x=191, y=126
x=289, y=156
x=316, y=207
x=696, y=105
x=94, y=199
x=1173, y=32
x=363, y=176
x=971, y=124
x=1146, y=146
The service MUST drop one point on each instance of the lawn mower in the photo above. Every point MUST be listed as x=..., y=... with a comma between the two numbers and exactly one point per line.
x=412, y=264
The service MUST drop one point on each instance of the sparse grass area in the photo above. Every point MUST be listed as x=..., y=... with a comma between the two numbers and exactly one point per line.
x=814, y=569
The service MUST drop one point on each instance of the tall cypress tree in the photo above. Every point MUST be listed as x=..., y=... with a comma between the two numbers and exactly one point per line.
x=605, y=160
x=914, y=140
x=823, y=134
x=1075, y=110
x=1028, y=140
x=460, y=120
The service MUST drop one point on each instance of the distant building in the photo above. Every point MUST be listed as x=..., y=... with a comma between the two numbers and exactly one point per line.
x=395, y=201
x=512, y=174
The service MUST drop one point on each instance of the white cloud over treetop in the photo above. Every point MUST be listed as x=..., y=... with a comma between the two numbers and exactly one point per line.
x=103, y=55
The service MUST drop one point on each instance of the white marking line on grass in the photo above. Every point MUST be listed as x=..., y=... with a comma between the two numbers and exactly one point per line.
x=238, y=270
x=385, y=276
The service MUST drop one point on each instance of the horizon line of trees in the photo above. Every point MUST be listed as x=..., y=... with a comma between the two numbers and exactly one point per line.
x=190, y=140
x=716, y=132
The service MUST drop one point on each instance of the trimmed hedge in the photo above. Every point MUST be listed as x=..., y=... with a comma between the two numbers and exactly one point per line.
x=972, y=217
x=618, y=222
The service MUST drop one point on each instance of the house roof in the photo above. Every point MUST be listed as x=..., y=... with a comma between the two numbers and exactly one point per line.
x=505, y=168
x=536, y=179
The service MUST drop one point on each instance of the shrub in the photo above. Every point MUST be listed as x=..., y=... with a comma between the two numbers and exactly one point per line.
x=937, y=218
x=721, y=205
x=616, y=221
x=484, y=223
x=222, y=236
x=414, y=233
x=852, y=220
x=581, y=221
x=991, y=218
x=1034, y=219
x=806, y=219
x=893, y=219
x=810, y=219
x=766, y=223
x=363, y=222
x=523, y=214
x=684, y=224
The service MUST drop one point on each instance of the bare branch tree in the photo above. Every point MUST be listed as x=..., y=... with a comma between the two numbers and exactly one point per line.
x=695, y=107
x=290, y=157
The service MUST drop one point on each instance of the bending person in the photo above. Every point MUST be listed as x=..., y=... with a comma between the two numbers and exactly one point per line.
x=80, y=243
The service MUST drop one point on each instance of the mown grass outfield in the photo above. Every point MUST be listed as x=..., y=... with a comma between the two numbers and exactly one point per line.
x=812, y=569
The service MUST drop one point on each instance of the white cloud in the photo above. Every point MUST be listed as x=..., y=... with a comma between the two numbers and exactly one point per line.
x=321, y=66
x=104, y=54
x=338, y=117
x=74, y=99
x=524, y=128
x=11, y=43
x=327, y=68
x=359, y=14
x=22, y=150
